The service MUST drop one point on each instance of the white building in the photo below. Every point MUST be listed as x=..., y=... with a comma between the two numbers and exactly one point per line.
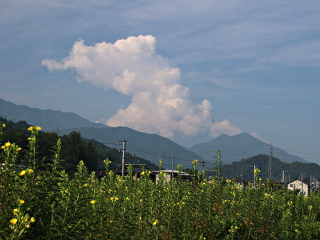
x=169, y=174
x=299, y=185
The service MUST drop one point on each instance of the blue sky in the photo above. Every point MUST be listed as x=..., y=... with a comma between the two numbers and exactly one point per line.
x=187, y=70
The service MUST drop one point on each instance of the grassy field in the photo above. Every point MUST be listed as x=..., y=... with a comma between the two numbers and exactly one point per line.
x=43, y=202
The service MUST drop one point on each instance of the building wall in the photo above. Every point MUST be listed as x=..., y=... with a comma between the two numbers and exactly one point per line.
x=297, y=184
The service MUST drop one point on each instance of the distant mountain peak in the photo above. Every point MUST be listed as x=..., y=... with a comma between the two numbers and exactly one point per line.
x=49, y=120
x=238, y=147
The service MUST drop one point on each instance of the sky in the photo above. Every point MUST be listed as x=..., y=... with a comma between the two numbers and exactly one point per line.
x=186, y=70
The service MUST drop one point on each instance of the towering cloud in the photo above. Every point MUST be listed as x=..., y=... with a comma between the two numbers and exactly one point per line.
x=160, y=104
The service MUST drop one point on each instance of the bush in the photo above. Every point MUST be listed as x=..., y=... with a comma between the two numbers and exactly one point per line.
x=49, y=204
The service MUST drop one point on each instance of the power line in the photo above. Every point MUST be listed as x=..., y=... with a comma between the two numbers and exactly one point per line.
x=224, y=151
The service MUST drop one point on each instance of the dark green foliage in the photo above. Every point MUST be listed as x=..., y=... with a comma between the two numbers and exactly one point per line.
x=148, y=146
x=244, y=169
x=217, y=168
x=53, y=205
x=74, y=148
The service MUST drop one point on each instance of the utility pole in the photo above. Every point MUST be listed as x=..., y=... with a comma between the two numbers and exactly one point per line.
x=124, y=143
x=270, y=161
x=203, y=162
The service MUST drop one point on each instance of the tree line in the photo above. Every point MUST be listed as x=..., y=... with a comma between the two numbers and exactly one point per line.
x=74, y=148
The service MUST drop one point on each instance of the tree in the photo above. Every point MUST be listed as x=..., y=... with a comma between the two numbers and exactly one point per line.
x=90, y=157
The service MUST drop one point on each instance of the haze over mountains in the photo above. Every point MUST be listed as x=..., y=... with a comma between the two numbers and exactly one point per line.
x=148, y=146
x=240, y=146
x=47, y=119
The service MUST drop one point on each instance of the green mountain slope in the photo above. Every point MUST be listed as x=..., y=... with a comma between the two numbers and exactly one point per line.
x=74, y=148
x=148, y=146
x=244, y=169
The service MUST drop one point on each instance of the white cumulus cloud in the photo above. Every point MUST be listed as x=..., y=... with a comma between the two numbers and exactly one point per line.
x=159, y=103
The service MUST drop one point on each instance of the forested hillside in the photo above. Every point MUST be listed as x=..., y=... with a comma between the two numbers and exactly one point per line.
x=74, y=148
x=244, y=169
x=148, y=146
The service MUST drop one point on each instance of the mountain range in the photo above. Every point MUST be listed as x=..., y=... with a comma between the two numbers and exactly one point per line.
x=148, y=146
x=48, y=119
x=241, y=146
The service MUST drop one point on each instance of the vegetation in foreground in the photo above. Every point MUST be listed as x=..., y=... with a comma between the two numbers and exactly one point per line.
x=73, y=148
x=41, y=201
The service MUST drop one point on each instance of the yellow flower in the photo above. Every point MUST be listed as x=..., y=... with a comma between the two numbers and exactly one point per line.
x=85, y=185
x=256, y=170
x=30, y=170
x=27, y=226
x=107, y=161
x=19, y=149
x=15, y=210
x=23, y=172
x=310, y=207
x=155, y=222
x=229, y=181
x=32, y=219
x=92, y=202
x=21, y=201
x=37, y=128
x=114, y=199
x=13, y=221
x=7, y=144
x=3, y=125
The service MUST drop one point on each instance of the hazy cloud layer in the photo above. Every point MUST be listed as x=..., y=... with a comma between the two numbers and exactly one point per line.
x=160, y=104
